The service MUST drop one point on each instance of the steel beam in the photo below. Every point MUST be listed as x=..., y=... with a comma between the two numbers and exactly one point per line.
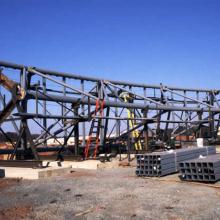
x=94, y=79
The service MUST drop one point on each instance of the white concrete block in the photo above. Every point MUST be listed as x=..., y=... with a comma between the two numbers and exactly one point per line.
x=30, y=173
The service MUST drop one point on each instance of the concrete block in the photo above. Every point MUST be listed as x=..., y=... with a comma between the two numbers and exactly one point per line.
x=86, y=164
x=53, y=172
x=30, y=173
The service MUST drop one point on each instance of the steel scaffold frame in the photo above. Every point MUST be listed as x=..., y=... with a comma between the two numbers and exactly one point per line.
x=161, y=111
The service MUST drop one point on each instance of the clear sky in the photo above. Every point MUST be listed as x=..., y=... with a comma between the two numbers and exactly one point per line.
x=176, y=42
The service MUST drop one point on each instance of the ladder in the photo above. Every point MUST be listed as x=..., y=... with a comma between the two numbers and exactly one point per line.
x=132, y=123
x=95, y=129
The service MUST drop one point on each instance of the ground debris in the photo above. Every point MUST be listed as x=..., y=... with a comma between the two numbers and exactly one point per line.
x=92, y=209
x=17, y=212
x=53, y=201
x=4, y=183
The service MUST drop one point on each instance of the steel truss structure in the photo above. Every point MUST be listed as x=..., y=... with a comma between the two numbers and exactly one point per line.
x=64, y=105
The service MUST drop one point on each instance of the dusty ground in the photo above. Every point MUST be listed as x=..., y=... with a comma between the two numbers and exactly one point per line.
x=107, y=194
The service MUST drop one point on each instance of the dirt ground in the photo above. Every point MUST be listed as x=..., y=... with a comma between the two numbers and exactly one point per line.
x=108, y=194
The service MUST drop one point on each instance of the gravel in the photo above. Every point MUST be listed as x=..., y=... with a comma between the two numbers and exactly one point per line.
x=110, y=194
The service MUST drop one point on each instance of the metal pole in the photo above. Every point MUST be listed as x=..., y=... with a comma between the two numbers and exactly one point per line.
x=63, y=109
x=146, y=148
x=23, y=81
x=44, y=108
x=76, y=132
x=83, y=123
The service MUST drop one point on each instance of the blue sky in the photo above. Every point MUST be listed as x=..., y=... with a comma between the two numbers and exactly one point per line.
x=176, y=42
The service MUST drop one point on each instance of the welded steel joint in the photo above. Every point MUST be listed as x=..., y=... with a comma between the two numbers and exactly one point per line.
x=17, y=92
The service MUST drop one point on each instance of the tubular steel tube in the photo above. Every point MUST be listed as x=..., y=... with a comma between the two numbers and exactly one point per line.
x=39, y=149
x=61, y=83
x=94, y=79
x=49, y=97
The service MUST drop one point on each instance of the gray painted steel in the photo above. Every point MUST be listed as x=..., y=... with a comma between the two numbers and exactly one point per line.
x=164, y=163
x=94, y=79
x=205, y=169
